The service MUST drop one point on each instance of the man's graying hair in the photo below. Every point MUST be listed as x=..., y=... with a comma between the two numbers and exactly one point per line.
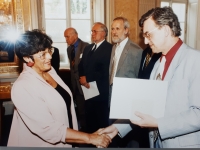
x=163, y=16
x=126, y=23
x=103, y=26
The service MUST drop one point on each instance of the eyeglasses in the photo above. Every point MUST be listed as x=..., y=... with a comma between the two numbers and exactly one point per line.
x=95, y=31
x=43, y=54
x=148, y=34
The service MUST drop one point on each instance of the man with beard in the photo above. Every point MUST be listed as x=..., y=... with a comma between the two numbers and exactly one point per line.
x=126, y=55
x=125, y=59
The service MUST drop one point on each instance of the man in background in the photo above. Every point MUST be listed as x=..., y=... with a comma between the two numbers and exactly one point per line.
x=55, y=61
x=125, y=62
x=147, y=63
x=94, y=66
x=75, y=50
x=126, y=55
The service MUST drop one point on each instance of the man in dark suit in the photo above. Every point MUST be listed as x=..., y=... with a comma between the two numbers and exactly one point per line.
x=94, y=66
x=6, y=51
x=75, y=51
x=55, y=61
x=147, y=63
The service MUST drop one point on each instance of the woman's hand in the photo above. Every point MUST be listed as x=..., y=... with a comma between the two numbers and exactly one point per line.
x=102, y=140
x=111, y=131
x=74, y=136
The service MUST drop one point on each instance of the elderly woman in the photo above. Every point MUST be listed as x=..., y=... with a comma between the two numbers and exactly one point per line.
x=44, y=114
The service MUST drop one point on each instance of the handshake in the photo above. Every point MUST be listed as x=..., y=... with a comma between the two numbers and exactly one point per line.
x=103, y=137
x=111, y=131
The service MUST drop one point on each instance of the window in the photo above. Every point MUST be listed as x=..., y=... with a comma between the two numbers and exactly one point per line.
x=179, y=8
x=61, y=14
x=192, y=24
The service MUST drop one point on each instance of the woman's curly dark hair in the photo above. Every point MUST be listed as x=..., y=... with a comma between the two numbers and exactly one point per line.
x=32, y=42
x=163, y=16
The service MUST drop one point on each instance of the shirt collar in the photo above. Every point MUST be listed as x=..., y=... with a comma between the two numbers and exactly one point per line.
x=123, y=43
x=169, y=56
x=76, y=43
x=98, y=44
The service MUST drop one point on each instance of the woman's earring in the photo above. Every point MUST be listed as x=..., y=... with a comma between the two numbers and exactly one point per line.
x=30, y=64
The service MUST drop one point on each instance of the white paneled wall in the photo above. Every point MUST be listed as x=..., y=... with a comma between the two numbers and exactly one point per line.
x=198, y=27
x=193, y=24
x=144, y=6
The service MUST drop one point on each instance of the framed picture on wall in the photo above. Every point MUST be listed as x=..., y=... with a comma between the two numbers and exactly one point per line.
x=11, y=25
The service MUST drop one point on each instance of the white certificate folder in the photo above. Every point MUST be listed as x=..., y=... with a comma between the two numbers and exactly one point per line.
x=130, y=95
x=91, y=92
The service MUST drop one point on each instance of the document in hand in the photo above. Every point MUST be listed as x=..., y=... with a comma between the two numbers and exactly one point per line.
x=130, y=95
x=91, y=92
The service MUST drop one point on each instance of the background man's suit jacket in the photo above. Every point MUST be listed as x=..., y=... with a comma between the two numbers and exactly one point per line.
x=144, y=73
x=128, y=66
x=129, y=61
x=96, y=68
x=74, y=70
x=55, y=61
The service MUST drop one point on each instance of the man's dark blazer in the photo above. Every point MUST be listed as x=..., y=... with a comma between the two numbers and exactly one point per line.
x=74, y=69
x=96, y=68
x=144, y=73
x=76, y=87
x=141, y=135
x=55, y=61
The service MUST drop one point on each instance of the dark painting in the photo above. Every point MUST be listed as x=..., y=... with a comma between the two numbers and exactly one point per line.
x=6, y=51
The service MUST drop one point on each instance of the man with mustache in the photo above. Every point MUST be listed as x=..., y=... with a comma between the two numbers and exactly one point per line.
x=125, y=57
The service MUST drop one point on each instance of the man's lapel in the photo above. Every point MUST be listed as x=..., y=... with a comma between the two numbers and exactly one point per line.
x=123, y=55
x=78, y=52
x=179, y=56
x=111, y=58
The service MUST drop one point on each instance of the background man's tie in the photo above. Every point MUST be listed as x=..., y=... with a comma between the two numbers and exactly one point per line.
x=147, y=60
x=93, y=49
x=114, y=65
x=73, y=52
x=72, y=55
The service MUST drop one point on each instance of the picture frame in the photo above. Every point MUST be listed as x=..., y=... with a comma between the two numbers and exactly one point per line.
x=11, y=22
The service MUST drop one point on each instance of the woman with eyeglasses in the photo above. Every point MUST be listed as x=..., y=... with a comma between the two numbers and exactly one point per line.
x=44, y=114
